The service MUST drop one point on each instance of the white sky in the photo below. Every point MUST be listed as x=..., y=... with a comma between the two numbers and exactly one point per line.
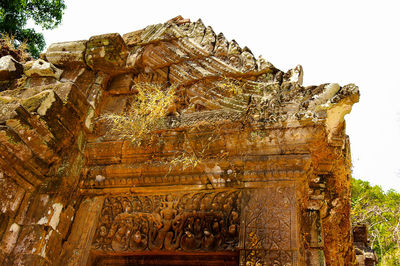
x=335, y=41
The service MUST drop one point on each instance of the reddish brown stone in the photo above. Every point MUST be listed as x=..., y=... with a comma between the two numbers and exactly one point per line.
x=66, y=218
x=106, y=53
x=246, y=162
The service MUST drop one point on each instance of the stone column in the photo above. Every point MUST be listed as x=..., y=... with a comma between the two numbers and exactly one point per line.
x=76, y=250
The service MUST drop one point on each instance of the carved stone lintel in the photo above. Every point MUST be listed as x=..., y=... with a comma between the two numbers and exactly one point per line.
x=187, y=222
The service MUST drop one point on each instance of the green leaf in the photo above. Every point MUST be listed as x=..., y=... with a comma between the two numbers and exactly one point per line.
x=381, y=212
x=15, y=14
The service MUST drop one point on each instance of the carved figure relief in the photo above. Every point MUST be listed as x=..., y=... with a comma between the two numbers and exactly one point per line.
x=187, y=222
x=268, y=225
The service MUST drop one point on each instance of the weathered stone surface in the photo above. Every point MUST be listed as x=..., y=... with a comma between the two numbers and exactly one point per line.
x=270, y=227
x=36, y=240
x=106, y=53
x=12, y=196
x=10, y=238
x=9, y=68
x=29, y=240
x=76, y=249
x=67, y=53
x=122, y=84
x=65, y=221
x=41, y=68
x=247, y=162
x=365, y=255
x=39, y=145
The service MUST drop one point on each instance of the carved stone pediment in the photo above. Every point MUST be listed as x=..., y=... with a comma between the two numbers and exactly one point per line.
x=243, y=162
x=208, y=69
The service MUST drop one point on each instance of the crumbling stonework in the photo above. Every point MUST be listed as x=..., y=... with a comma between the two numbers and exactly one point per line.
x=364, y=254
x=271, y=188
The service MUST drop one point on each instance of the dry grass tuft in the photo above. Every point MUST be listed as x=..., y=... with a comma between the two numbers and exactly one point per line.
x=185, y=160
x=145, y=115
x=9, y=46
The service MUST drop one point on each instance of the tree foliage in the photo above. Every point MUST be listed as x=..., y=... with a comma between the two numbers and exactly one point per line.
x=381, y=212
x=14, y=15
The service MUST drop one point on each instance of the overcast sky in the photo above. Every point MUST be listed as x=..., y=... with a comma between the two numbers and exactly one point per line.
x=335, y=41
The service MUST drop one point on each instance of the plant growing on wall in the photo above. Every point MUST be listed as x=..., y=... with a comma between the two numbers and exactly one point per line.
x=146, y=113
x=8, y=46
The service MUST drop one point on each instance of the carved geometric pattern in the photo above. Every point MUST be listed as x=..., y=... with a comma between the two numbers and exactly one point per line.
x=267, y=257
x=269, y=226
x=186, y=222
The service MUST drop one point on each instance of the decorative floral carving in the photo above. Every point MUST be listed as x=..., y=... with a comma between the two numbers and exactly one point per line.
x=192, y=221
x=268, y=226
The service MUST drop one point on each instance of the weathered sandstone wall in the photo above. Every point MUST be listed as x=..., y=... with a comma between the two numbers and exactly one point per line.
x=272, y=180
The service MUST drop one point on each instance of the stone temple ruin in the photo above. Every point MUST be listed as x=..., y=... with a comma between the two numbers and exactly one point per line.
x=270, y=187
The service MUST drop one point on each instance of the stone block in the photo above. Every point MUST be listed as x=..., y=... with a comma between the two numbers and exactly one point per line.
x=88, y=213
x=27, y=259
x=38, y=125
x=66, y=218
x=121, y=84
x=133, y=38
x=106, y=53
x=7, y=109
x=312, y=229
x=94, y=95
x=67, y=53
x=76, y=250
x=10, y=238
x=41, y=68
x=37, y=81
x=38, y=240
x=30, y=240
x=360, y=233
x=37, y=245
x=39, y=210
x=12, y=195
x=13, y=168
x=23, y=209
x=85, y=80
x=42, y=102
x=29, y=135
x=104, y=152
x=71, y=74
x=71, y=95
x=71, y=168
x=21, y=155
x=52, y=246
x=9, y=68
x=44, y=211
x=60, y=121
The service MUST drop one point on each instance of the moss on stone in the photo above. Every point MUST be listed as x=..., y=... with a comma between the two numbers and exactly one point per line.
x=34, y=102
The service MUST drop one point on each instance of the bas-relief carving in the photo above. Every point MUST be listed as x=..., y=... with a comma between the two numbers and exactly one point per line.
x=268, y=219
x=203, y=221
x=189, y=56
x=186, y=222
